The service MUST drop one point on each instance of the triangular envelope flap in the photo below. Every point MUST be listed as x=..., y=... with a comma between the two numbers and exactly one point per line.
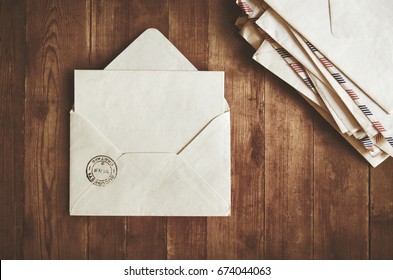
x=350, y=55
x=154, y=185
x=149, y=111
x=86, y=143
x=267, y=56
x=209, y=155
x=151, y=51
x=273, y=25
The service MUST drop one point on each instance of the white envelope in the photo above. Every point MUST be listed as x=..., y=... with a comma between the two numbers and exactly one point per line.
x=337, y=99
x=153, y=143
x=351, y=34
x=270, y=59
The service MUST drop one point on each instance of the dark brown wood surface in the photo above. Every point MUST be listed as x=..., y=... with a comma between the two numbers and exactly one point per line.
x=299, y=191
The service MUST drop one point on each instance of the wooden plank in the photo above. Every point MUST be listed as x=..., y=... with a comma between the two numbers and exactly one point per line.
x=12, y=55
x=107, y=238
x=117, y=23
x=186, y=238
x=241, y=235
x=188, y=31
x=381, y=211
x=288, y=173
x=340, y=197
x=57, y=42
x=146, y=238
x=114, y=26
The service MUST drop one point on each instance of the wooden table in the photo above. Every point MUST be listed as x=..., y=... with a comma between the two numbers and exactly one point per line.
x=299, y=190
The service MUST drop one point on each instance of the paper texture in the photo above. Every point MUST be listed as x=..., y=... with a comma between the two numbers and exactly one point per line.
x=351, y=54
x=315, y=88
x=381, y=121
x=144, y=143
x=350, y=114
x=151, y=51
x=270, y=59
x=361, y=19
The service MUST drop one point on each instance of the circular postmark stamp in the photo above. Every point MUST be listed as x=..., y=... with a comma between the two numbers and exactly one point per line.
x=101, y=170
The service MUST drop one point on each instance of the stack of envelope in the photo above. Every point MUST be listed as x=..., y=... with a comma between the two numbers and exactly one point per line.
x=338, y=55
x=150, y=135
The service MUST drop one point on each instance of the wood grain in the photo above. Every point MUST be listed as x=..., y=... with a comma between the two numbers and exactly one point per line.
x=241, y=235
x=299, y=191
x=340, y=197
x=12, y=53
x=288, y=173
x=381, y=212
x=188, y=23
x=56, y=40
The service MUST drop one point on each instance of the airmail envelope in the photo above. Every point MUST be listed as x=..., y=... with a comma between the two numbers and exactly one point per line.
x=153, y=143
x=353, y=34
x=270, y=59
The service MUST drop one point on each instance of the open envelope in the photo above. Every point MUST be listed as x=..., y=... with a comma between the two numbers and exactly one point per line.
x=350, y=34
x=151, y=143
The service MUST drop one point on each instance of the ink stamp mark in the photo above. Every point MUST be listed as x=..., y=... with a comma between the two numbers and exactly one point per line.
x=101, y=170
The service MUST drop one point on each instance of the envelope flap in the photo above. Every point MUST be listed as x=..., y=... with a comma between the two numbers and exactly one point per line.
x=151, y=184
x=356, y=19
x=267, y=56
x=151, y=51
x=104, y=181
x=87, y=144
x=209, y=155
x=149, y=111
